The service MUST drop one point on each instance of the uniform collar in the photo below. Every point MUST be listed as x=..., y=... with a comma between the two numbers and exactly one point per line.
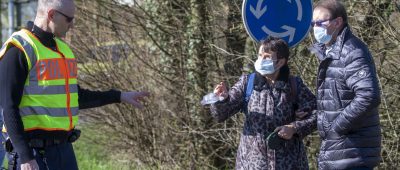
x=46, y=38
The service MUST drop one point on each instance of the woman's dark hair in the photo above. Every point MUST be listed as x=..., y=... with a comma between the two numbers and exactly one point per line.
x=276, y=45
x=281, y=48
x=335, y=8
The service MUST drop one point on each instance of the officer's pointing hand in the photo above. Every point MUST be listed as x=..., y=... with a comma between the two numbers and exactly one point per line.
x=31, y=165
x=134, y=98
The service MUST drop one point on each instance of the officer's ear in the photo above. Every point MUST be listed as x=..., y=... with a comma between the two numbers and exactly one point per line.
x=51, y=14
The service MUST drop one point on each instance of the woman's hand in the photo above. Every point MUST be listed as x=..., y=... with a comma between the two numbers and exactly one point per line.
x=221, y=90
x=286, y=132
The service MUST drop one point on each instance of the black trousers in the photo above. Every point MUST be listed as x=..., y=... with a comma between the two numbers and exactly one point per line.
x=58, y=157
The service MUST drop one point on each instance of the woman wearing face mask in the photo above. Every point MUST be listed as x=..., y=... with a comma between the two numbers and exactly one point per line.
x=271, y=107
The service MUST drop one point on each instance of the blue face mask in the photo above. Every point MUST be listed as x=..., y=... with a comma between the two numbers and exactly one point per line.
x=321, y=35
x=264, y=66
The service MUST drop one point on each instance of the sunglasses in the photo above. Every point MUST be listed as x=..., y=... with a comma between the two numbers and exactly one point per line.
x=69, y=19
x=319, y=23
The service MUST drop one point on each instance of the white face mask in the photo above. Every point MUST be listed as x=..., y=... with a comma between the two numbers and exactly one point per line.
x=321, y=35
x=264, y=66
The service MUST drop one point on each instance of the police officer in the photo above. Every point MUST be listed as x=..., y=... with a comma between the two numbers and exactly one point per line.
x=39, y=91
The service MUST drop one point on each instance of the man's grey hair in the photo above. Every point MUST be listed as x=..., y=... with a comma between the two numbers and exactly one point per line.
x=45, y=5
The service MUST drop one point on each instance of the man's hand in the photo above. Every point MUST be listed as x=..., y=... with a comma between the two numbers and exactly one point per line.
x=134, y=97
x=31, y=165
x=286, y=132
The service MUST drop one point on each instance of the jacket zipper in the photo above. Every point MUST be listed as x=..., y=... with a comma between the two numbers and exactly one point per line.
x=67, y=89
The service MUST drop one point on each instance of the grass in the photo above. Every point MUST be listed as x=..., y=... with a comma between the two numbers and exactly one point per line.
x=92, y=156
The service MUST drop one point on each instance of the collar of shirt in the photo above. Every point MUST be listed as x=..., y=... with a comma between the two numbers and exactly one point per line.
x=46, y=38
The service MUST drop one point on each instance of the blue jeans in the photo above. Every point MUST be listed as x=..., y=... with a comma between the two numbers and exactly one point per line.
x=58, y=157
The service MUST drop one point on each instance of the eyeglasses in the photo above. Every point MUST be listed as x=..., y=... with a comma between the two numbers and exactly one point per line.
x=319, y=23
x=69, y=19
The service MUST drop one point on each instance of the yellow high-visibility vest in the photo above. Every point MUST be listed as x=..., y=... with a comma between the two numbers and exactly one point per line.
x=50, y=98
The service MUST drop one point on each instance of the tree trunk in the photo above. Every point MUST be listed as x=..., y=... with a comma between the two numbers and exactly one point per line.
x=199, y=35
x=235, y=39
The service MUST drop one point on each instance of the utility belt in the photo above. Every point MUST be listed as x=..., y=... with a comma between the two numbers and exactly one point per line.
x=44, y=143
x=40, y=144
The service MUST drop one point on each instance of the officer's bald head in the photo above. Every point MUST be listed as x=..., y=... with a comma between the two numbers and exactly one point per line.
x=55, y=16
x=67, y=6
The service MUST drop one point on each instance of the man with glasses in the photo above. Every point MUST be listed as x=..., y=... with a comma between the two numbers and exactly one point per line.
x=39, y=91
x=68, y=18
x=348, y=94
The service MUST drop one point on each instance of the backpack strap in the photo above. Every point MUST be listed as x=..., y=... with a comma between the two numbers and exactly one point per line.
x=249, y=90
x=249, y=86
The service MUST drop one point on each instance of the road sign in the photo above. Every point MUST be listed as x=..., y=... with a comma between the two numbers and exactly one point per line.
x=287, y=19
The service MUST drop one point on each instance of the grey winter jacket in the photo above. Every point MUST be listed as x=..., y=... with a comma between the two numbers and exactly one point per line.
x=348, y=97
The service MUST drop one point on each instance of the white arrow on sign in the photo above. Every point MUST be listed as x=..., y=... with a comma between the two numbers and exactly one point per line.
x=258, y=12
x=299, y=9
x=290, y=31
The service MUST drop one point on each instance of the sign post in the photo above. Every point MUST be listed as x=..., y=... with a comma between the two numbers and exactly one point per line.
x=286, y=19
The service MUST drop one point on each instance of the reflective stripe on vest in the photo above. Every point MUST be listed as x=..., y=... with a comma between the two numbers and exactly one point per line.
x=50, y=96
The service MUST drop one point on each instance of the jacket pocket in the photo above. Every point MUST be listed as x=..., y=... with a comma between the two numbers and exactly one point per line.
x=336, y=95
x=321, y=123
